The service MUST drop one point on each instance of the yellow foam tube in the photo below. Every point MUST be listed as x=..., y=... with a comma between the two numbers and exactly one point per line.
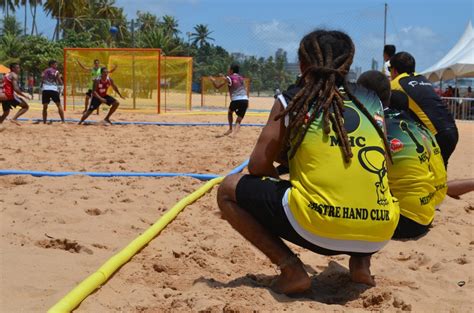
x=94, y=281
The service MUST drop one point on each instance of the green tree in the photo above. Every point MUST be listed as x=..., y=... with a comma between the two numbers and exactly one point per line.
x=101, y=16
x=74, y=39
x=65, y=12
x=10, y=25
x=201, y=35
x=170, y=26
x=157, y=38
x=7, y=6
x=11, y=48
x=37, y=52
x=147, y=21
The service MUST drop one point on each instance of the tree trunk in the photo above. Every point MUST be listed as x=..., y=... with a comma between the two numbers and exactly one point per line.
x=24, y=29
x=56, y=30
x=33, y=17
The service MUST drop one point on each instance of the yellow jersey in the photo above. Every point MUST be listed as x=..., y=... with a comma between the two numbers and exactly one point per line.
x=337, y=205
x=423, y=102
x=414, y=173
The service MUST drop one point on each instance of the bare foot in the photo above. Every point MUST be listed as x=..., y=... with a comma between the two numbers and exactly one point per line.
x=228, y=132
x=359, y=268
x=293, y=279
x=107, y=122
x=15, y=122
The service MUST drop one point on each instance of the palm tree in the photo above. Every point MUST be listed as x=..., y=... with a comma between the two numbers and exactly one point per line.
x=201, y=35
x=8, y=5
x=64, y=10
x=11, y=48
x=105, y=9
x=157, y=38
x=147, y=21
x=170, y=25
x=33, y=4
x=10, y=26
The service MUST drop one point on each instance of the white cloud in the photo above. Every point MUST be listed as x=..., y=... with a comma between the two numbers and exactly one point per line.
x=275, y=35
x=420, y=41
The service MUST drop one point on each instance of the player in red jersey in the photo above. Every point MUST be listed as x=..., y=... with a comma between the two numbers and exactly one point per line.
x=8, y=98
x=99, y=96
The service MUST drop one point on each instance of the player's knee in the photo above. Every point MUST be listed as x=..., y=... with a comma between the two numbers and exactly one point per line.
x=226, y=191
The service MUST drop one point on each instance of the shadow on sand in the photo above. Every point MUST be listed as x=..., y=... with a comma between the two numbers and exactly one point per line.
x=331, y=286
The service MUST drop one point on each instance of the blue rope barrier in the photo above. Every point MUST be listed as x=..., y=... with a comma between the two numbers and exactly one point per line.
x=106, y=174
x=144, y=123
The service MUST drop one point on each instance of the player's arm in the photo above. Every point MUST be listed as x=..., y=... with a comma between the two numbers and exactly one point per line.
x=83, y=67
x=216, y=84
x=269, y=145
x=95, y=93
x=114, y=87
x=16, y=87
x=113, y=69
x=42, y=80
x=59, y=78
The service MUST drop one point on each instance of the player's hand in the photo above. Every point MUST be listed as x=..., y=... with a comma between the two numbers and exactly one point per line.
x=102, y=100
x=123, y=97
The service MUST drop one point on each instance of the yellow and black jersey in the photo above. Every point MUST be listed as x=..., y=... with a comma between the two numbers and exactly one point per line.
x=337, y=205
x=417, y=176
x=424, y=104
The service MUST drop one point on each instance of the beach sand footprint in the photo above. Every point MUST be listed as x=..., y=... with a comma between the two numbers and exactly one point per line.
x=63, y=244
x=94, y=211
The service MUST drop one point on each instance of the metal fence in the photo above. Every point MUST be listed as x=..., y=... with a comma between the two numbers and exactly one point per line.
x=460, y=108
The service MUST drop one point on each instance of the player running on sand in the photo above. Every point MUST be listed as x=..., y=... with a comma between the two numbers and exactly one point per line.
x=238, y=94
x=95, y=73
x=99, y=96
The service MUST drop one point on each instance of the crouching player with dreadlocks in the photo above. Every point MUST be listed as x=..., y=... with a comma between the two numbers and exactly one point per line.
x=337, y=200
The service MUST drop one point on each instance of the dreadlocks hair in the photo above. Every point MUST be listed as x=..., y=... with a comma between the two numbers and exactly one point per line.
x=326, y=57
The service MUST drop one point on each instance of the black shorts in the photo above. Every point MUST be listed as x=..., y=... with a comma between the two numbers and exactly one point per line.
x=10, y=104
x=239, y=107
x=409, y=229
x=262, y=198
x=447, y=140
x=95, y=102
x=89, y=93
x=49, y=95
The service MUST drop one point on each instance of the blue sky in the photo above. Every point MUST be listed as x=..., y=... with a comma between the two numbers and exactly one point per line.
x=427, y=29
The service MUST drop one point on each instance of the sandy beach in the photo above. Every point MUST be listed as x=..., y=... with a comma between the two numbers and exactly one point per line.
x=57, y=231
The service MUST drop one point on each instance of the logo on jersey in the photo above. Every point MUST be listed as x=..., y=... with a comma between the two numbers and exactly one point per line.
x=351, y=124
x=414, y=83
x=396, y=145
x=372, y=160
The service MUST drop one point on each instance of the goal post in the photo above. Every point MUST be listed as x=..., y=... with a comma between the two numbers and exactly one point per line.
x=176, y=82
x=137, y=75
